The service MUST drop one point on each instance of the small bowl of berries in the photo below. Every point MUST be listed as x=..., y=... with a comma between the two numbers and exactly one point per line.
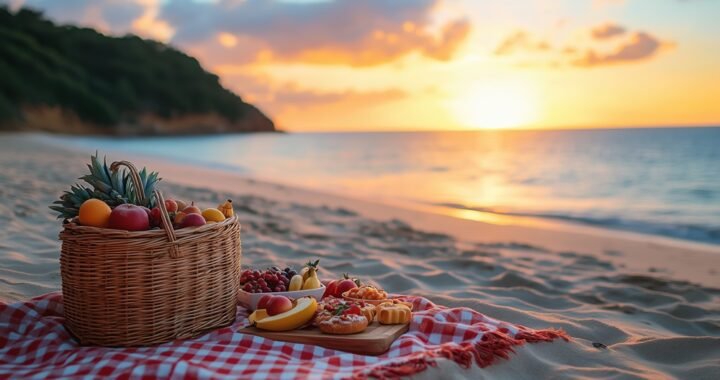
x=255, y=284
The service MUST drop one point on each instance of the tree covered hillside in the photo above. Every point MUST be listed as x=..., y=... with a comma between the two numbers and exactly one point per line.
x=111, y=83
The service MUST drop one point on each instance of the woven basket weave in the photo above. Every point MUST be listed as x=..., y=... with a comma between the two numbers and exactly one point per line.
x=123, y=288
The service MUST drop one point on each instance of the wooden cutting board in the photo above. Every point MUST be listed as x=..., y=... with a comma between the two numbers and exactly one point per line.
x=375, y=340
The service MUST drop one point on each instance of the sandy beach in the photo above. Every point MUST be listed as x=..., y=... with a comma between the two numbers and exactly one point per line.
x=636, y=306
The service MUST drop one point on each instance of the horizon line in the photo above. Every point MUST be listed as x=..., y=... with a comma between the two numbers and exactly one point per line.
x=519, y=129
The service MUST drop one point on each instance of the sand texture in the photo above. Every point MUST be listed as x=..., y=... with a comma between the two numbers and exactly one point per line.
x=636, y=308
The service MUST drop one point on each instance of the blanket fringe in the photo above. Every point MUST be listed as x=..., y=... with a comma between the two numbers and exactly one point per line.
x=493, y=345
x=547, y=335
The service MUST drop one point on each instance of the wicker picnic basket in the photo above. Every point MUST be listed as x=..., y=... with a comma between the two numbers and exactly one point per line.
x=123, y=288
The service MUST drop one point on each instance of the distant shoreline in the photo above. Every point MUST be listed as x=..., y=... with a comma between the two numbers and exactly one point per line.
x=672, y=230
x=561, y=226
x=495, y=130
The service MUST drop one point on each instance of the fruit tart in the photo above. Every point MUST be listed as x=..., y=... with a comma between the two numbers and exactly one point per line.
x=344, y=324
x=367, y=293
x=331, y=306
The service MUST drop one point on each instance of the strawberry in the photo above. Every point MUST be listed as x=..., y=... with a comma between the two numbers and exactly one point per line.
x=354, y=309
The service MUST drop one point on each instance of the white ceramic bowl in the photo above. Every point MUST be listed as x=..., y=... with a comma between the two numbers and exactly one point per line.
x=250, y=300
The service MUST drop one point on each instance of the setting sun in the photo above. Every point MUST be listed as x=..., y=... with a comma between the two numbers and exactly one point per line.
x=494, y=106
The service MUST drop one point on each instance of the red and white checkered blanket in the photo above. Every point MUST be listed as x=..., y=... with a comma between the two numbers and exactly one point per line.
x=34, y=344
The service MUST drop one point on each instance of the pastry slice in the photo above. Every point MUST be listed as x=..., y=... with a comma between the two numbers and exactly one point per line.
x=393, y=313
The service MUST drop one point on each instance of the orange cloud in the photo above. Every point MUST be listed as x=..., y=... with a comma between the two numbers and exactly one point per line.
x=518, y=41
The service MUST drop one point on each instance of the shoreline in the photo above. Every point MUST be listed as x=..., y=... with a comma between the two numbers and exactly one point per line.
x=645, y=301
x=622, y=226
x=700, y=261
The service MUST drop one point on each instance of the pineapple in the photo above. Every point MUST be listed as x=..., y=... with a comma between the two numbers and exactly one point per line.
x=113, y=188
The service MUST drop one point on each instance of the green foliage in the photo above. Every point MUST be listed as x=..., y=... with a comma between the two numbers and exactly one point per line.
x=104, y=80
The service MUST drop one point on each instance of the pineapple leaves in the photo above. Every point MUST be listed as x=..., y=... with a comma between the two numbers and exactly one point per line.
x=113, y=188
x=148, y=182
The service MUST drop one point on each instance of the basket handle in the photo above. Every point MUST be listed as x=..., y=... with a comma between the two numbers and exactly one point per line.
x=134, y=176
x=167, y=224
x=160, y=200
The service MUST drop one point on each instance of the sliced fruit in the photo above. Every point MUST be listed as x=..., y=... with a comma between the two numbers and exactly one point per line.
x=257, y=315
x=299, y=315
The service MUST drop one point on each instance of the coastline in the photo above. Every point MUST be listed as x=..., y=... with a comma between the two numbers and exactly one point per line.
x=642, y=253
x=501, y=193
x=653, y=304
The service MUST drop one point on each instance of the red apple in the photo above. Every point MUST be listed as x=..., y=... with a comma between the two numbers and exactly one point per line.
x=170, y=205
x=278, y=305
x=155, y=217
x=262, y=304
x=343, y=286
x=129, y=217
x=192, y=220
x=331, y=288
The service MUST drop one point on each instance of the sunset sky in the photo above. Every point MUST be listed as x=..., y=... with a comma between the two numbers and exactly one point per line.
x=448, y=64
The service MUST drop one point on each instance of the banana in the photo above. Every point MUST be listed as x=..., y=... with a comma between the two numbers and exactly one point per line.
x=296, y=283
x=227, y=208
x=302, y=313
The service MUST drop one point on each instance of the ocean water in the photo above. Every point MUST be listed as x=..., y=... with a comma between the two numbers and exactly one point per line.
x=655, y=181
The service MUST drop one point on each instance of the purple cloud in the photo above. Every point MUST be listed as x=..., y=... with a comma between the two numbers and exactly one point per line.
x=641, y=46
x=606, y=31
x=351, y=32
x=115, y=16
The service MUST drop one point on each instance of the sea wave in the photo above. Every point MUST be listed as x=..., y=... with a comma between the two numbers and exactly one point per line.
x=685, y=231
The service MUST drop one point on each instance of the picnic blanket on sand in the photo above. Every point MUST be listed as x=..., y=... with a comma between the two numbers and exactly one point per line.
x=34, y=343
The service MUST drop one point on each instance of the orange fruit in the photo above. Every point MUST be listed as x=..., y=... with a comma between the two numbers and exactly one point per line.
x=95, y=213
